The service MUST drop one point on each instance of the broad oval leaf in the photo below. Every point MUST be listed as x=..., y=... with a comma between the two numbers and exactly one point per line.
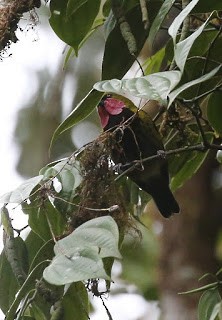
x=117, y=60
x=72, y=20
x=79, y=255
x=22, y=192
x=187, y=164
x=167, y=4
x=71, y=302
x=100, y=232
x=214, y=111
x=77, y=264
x=156, y=86
x=82, y=110
x=207, y=303
x=175, y=93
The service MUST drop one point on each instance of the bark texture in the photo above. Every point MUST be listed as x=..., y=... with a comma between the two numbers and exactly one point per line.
x=188, y=246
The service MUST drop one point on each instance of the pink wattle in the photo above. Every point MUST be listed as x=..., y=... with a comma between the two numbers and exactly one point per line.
x=113, y=106
x=104, y=116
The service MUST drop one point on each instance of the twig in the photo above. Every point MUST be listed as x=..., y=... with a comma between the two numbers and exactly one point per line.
x=193, y=100
x=110, y=209
x=144, y=12
x=161, y=153
x=207, y=58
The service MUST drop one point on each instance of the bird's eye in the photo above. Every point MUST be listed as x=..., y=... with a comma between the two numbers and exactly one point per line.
x=101, y=104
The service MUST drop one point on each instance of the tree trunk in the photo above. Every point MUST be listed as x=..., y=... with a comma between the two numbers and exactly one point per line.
x=188, y=246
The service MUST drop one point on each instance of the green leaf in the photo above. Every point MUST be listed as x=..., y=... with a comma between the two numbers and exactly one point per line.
x=214, y=111
x=190, y=165
x=182, y=48
x=175, y=93
x=156, y=86
x=79, y=255
x=73, y=6
x=44, y=253
x=207, y=303
x=82, y=110
x=75, y=264
x=174, y=28
x=33, y=244
x=167, y=4
x=75, y=302
x=22, y=192
x=216, y=311
x=99, y=232
x=117, y=60
x=204, y=6
x=72, y=20
x=40, y=218
x=28, y=285
x=154, y=63
x=9, y=284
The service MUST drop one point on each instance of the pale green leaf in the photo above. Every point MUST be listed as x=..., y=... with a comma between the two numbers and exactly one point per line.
x=167, y=4
x=175, y=93
x=22, y=192
x=182, y=48
x=207, y=303
x=215, y=311
x=156, y=86
x=82, y=110
x=174, y=28
x=100, y=232
x=76, y=264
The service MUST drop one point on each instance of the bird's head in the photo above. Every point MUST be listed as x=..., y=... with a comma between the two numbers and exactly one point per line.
x=109, y=106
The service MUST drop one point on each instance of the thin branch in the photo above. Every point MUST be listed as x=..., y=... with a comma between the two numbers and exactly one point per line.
x=144, y=12
x=193, y=100
x=162, y=154
x=207, y=58
x=110, y=209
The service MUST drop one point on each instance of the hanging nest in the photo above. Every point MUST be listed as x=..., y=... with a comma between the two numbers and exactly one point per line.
x=10, y=14
x=99, y=193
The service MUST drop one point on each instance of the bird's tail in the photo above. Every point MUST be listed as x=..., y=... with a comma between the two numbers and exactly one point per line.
x=165, y=201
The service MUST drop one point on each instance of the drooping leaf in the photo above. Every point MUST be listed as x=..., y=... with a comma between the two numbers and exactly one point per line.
x=207, y=303
x=175, y=93
x=156, y=86
x=68, y=19
x=153, y=63
x=82, y=110
x=117, y=60
x=33, y=244
x=190, y=165
x=174, y=27
x=167, y=4
x=45, y=218
x=79, y=255
x=214, y=111
x=182, y=48
x=9, y=284
x=28, y=285
x=76, y=264
x=216, y=311
x=22, y=192
x=75, y=302
x=207, y=6
x=99, y=232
